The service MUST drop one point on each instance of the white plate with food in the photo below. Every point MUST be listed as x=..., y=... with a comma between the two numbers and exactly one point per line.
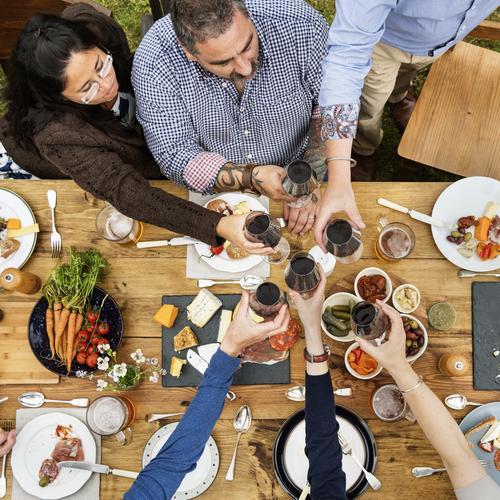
x=44, y=441
x=482, y=431
x=231, y=259
x=478, y=198
x=198, y=480
x=13, y=207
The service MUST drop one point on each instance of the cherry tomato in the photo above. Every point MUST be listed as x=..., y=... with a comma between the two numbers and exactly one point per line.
x=81, y=346
x=83, y=336
x=81, y=357
x=92, y=360
x=217, y=250
x=102, y=341
x=103, y=328
x=92, y=316
x=90, y=349
x=94, y=339
x=90, y=327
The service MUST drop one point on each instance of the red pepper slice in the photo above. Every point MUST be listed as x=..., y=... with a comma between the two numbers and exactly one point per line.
x=217, y=250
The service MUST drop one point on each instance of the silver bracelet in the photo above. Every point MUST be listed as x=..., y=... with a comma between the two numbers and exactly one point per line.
x=352, y=161
x=416, y=386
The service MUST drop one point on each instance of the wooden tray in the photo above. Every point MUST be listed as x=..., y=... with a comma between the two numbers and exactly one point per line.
x=17, y=363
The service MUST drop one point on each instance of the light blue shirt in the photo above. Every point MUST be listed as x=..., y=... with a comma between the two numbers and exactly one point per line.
x=420, y=27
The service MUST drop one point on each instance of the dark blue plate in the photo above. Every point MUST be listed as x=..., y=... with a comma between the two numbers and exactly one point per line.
x=39, y=341
x=293, y=420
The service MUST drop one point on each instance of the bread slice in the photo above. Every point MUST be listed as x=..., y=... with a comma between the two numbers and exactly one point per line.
x=185, y=339
x=481, y=425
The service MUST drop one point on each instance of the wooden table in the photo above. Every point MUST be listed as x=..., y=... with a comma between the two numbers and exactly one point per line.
x=137, y=281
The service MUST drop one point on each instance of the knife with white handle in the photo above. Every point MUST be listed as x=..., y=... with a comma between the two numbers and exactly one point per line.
x=412, y=213
x=99, y=468
x=183, y=240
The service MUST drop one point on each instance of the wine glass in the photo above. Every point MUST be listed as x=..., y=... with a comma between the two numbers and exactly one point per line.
x=302, y=274
x=267, y=299
x=300, y=181
x=261, y=227
x=369, y=321
x=343, y=241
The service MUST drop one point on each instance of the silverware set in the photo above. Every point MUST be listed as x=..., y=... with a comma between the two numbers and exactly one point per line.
x=55, y=237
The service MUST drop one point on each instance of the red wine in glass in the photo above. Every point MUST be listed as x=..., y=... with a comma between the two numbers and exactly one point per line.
x=267, y=300
x=300, y=182
x=368, y=320
x=302, y=274
x=343, y=241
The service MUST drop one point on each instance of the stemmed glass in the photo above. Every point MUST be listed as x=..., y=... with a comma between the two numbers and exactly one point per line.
x=369, y=321
x=267, y=300
x=343, y=241
x=302, y=274
x=261, y=227
x=300, y=181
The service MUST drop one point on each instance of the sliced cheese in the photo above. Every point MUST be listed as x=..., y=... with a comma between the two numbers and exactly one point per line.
x=16, y=233
x=166, y=315
x=203, y=307
x=242, y=208
x=492, y=433
x=225, y=320
x=176, y=365
x=185, y=339
x=492, y=209
x=13, y=224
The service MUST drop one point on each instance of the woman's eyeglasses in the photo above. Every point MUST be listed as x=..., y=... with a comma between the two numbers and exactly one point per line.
x=102, y=73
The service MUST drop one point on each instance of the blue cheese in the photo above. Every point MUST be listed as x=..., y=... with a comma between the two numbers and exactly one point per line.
x=225, y=320
x=203, y=307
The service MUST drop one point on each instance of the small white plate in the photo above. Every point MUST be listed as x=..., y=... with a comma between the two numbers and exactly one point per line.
x=465, y=197
x=12, y=206
x=222, y=262
x=199, y=479
x=35, y=443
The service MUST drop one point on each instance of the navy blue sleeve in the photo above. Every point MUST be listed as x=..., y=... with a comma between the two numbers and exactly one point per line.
x=162, y=476
x=325, y=475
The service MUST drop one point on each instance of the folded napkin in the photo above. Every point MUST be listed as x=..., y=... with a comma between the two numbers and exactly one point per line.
x=197, y=268
x=90, y=490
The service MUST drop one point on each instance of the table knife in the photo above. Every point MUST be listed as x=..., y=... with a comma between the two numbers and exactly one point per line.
x=196, y=361
x=99, y=468
x=182, y=240
x=412, y=213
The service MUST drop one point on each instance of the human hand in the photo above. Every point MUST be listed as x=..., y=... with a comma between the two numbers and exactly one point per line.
x=301, y=220
x=7, y=441
x=335, y=199
x=392, y=353
x=232, y=228
x=243, y=332
x=267, y=180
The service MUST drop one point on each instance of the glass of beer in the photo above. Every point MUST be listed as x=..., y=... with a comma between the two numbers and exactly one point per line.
x=343, y=241
x=395, y=241
x=114, y=226
x=267, y=300
x=112, y=416
x=302, y=274
x=300, y=181
x=389, y=404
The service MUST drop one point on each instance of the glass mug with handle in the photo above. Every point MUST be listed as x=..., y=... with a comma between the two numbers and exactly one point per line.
x=389, y=404
x=114, y=226
x=395, y=240
x=112, y=416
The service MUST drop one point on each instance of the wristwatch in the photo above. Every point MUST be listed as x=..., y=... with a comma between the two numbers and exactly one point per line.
x=246, y=179
x=320, y=358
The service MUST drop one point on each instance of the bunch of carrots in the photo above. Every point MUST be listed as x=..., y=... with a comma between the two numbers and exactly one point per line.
x=68, y=292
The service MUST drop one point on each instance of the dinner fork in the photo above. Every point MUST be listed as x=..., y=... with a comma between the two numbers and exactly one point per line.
x=347, y=450
x=55, y=237
x=428, y=471
x=7, y=426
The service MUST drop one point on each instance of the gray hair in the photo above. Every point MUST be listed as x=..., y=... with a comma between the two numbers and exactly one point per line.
x=195, y=21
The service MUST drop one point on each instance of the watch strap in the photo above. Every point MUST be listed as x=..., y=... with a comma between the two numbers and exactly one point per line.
x=246, y=179
x=318, y=358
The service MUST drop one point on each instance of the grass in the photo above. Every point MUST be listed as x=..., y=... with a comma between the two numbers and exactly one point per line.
x=389, y=165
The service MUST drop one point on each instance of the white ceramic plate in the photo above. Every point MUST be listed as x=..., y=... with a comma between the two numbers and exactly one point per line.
x=35, y=443
x=198, y=480
x=222, y=262
x=297, y=464
x=467, y=196
x=12, y=206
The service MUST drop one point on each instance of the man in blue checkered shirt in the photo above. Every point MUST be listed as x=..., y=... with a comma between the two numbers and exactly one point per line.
x=225, y=85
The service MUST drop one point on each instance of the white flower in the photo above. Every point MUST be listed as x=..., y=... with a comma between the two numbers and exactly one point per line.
x=80, y=373
x=103, y=363
x=119, y=371
x=138, y=357
x=102, y=348
x=154, y=378
x=163, y=371
x=153, y=361
x=101, y=384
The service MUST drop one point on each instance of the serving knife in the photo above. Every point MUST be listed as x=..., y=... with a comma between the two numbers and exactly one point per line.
x=412, y=213
x=182, y=240
x=99, y=468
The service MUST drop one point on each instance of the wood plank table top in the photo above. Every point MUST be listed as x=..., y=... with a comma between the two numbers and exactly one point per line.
x=454, y=125
x=139, y=278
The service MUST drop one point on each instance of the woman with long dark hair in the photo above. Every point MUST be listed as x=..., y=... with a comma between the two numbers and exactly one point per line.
x=71, y=114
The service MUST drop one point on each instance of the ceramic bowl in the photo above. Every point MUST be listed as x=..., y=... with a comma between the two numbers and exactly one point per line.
x=337, y=299
x=370, y=271
x=353, y=372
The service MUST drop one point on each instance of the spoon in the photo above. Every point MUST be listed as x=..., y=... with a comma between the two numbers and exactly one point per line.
x=37, y=399
x=298, y=393
x=241, y=424
x=153, y=417
x=458, y=402
x=2, y=400
x=248, y=282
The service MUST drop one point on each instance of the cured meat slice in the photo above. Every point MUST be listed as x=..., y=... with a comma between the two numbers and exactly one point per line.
x=68, y=449
x=262, y=352
x=285, y=341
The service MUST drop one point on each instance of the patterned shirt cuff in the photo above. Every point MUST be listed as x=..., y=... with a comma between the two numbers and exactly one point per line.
x=201, y=172
x=339, y=121
x=316, y=112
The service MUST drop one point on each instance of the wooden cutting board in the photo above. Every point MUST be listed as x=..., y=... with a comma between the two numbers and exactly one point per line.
x=17, y=363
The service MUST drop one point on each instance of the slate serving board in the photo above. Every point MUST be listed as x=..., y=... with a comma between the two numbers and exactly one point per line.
x=485, y=334
x=248, y=374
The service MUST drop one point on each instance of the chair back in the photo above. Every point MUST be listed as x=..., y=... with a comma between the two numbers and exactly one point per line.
x=159, y=8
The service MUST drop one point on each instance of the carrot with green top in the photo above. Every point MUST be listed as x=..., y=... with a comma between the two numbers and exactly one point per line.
x=71, y=339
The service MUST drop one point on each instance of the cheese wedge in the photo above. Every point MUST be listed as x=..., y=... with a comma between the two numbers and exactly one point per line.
x=492, y=209
x=13, y=224
x=16, y=233
x=185, y=339
x=176, y=365
x=166, y=315
x=492, y=433
x=225, y=320
x=203, y=307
